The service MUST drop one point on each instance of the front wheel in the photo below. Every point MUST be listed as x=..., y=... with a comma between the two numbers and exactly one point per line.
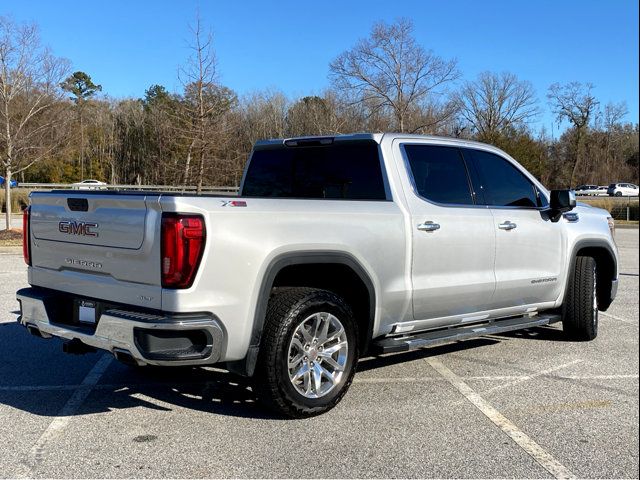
x=308, y=353
x=580, y=309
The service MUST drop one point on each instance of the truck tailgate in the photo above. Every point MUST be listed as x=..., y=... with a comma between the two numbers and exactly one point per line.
x=99, y=245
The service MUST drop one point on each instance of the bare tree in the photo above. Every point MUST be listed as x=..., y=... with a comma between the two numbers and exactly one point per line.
x=205, y=100
x=391, y=72
x=494, y=102
x=264, y=116
x=29, y=95
x=613, y=114
x=611, y=118
x=574, y=102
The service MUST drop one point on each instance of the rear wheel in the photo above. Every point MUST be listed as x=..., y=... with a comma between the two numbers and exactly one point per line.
x=308, y=353
x=618, y=194
x=580, y=309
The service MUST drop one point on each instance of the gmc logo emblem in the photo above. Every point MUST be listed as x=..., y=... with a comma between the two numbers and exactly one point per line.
x=84, y=229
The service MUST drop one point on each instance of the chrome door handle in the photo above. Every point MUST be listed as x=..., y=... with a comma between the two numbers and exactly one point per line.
x=428, y=227
x=507, y=225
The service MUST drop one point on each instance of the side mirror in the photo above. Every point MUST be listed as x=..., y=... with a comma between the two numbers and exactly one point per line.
x=561, y=201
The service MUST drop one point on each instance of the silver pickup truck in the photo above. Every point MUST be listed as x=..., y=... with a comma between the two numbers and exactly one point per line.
x=336, y=247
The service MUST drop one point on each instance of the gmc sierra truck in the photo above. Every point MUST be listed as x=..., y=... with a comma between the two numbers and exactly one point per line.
x=335, y=247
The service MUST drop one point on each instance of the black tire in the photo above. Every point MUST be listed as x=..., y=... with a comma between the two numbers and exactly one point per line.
x=287, y=310
x=618, y=194
x=580, y=312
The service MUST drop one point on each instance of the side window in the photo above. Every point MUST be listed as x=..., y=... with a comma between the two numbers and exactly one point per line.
x=502, y=183
x=439, y=174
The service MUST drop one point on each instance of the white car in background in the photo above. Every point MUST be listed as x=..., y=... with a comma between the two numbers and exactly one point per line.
x=89, y=185
x=601, y=191
x=622, y=190
x=585, y=189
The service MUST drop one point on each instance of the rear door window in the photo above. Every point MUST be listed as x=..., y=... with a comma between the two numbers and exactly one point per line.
x=349, y=171
x=502, y=184
x=439, y=174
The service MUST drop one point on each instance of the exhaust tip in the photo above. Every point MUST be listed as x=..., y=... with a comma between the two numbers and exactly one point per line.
x=35, y=331
x=124, y=356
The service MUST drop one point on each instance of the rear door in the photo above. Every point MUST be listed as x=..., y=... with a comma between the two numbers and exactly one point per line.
x=453, y=238
x=99, y=245
x=530, y=248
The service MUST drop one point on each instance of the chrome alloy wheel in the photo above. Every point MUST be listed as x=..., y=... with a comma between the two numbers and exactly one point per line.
x=318, y=354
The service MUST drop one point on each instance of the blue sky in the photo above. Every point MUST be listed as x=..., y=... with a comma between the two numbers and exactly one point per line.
x=129, y=45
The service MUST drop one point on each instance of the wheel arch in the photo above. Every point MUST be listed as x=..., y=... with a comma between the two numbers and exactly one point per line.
x=606, y=268
x=293, y=269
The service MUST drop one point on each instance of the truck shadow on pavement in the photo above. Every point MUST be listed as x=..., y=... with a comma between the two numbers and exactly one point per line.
x=549, y=333
x=37, y=377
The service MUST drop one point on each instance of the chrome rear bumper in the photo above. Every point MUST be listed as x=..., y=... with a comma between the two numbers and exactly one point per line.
x=119, y=330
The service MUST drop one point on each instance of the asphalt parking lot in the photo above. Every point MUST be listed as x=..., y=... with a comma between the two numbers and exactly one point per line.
x=526, y=405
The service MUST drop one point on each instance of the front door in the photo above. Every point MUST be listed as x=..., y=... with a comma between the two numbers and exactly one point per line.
x=530, y=248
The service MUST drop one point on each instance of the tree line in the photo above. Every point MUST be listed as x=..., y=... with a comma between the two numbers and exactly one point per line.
x=56, y=127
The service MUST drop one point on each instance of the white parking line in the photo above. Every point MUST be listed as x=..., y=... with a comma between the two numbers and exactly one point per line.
x=539, y=454
x=532, y=376
x=396, y=379
x=620, y=319
x=492, y=378
x=38, y=450
x=596, y=377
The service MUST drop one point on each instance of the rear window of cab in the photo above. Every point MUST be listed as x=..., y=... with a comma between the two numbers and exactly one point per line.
x=341, y=170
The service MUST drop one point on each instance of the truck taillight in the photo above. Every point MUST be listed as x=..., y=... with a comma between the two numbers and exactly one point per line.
x=26, y=247
x=183, y=238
